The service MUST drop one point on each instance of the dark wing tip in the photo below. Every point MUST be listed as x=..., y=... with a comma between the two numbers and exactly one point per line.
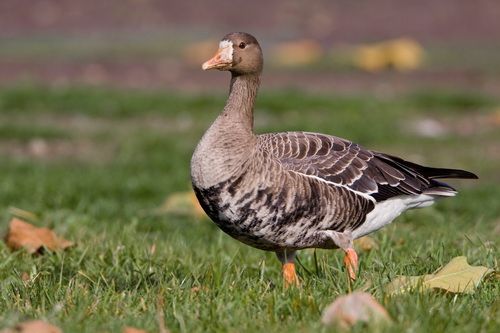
x=470, y=175
x=429, y=172
x=455, y=173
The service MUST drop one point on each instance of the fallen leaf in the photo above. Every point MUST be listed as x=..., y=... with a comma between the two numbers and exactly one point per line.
x=296, y=53
x=33, y=326
x=456, y=277
x=128, y=329
x=350, y=309
x=366, y=243
x=370, y=58
x=182, y=203
x=24, y=235
x=402, y=54
x=25, y=277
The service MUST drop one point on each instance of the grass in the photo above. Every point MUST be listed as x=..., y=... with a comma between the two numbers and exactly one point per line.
x=111, y=157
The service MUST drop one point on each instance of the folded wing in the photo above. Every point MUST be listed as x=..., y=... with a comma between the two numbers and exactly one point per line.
x=344, y=163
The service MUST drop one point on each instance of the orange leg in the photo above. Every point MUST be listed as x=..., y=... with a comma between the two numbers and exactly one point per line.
x=351, y=262
x=287, y=258
x=344, y=241
x=289, y=275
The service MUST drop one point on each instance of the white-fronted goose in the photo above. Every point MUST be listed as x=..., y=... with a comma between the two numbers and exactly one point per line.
x=284, y=192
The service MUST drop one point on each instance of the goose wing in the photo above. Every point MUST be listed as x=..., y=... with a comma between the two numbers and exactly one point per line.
x=344, y=163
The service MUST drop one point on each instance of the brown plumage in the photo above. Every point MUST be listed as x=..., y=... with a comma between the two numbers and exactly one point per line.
x=288, y=191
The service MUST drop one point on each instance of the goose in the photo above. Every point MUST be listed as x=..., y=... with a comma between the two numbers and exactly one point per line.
x=288, y=191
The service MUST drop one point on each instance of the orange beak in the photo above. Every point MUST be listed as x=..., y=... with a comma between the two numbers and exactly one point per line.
x=221, y=60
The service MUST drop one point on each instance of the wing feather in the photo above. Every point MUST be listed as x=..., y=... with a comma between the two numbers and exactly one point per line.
x=345, y=163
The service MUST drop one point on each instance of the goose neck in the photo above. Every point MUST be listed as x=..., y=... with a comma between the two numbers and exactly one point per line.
x=241, y=100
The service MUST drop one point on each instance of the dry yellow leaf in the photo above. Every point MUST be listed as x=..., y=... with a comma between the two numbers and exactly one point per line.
x=456, y=277
x=402, y=54
x=370, y=58
x=349, y=309
x=296, y=53
x=24, y=235
x=33, y=326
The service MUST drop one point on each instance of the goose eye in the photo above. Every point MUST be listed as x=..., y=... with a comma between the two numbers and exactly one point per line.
x=242, y=45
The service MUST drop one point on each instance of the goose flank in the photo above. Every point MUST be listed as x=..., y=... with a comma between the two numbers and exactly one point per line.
x=288, y=191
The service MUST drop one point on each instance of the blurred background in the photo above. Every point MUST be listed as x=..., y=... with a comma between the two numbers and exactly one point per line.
x=330, y=45
x=117, y=85
x=102, y=104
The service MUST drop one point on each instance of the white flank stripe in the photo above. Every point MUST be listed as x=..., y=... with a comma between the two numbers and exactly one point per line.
x=364, y=195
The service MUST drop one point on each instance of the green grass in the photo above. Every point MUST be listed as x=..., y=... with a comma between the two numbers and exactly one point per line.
x=124, y=152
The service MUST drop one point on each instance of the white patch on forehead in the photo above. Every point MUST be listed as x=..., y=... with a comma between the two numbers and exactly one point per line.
x=226, y=48
x=225, y=43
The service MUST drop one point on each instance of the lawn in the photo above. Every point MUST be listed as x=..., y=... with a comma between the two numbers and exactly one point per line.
x=95, y=164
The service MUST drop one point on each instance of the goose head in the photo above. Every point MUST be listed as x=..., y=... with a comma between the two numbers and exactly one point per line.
x=239, y=53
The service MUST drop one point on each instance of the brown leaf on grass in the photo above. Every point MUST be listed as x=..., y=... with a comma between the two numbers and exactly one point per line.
x=128, y=329
x=350, y=309
x=182, y=203
x=33, y=326
x=366, y=243
x=456, y=277
x=25, y=277
x=24, y=235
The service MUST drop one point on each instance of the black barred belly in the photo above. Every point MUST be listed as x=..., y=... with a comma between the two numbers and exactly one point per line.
x=274, y=218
